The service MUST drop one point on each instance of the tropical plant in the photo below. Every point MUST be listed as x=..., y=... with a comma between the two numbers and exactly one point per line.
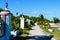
x=1, y=9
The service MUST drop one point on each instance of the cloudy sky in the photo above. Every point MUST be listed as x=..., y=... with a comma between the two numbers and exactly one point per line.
x=49, y=8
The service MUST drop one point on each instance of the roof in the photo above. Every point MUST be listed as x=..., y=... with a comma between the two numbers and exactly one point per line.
x=5, y=12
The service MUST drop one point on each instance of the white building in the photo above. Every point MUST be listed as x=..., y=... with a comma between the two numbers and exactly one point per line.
x=22, y=22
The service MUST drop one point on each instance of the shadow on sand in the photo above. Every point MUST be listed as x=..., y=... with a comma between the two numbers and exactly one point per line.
x=33, y=38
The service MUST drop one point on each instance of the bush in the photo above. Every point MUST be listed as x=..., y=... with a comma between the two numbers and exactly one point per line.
x=29, y=26
x=21, y=31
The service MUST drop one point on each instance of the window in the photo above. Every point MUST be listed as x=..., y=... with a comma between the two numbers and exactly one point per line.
x=2, y=25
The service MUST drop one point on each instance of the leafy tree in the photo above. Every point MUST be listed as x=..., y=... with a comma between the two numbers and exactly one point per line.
x=56, y=20
x=41, y=20
x=1, y=9
x=42, y=17
x=33, y=20
x=46, y=20
x=15, y=22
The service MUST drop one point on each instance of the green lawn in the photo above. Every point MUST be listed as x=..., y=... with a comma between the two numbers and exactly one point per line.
x=55, y=33
x=25, y=32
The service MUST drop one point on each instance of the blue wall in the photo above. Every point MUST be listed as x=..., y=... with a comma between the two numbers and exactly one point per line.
x=7, y=30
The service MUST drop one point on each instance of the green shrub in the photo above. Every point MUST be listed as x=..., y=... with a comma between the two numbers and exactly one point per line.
x=21, y=31
x=29, y=26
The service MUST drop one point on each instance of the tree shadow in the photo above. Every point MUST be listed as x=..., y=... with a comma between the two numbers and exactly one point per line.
x=33, y=38
x=30, y=29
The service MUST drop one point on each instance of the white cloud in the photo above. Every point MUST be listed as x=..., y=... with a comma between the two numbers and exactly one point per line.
x=33, y=12
x=47, y=12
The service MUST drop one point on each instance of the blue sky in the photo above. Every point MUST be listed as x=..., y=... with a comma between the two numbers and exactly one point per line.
x=49, y=8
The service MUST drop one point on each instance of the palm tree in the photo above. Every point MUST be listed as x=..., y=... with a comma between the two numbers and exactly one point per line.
x=1, y=9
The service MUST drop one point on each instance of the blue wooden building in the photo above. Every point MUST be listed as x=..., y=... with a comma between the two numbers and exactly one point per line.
x=5, y=24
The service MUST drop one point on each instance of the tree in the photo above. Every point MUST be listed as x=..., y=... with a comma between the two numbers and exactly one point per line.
x=33, y=20
x=1, y=9
x=15, y=22
x=42, y=17
x=17, y=13
x=46, y=20
x=56, y=20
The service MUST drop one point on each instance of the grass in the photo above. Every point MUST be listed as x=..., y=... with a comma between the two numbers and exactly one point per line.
x=25, y=32
x=55, y=33
x=45, y=28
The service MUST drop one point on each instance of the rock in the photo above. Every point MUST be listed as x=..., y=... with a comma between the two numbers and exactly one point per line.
x=35, y=23
x=43, y=26
x=50, y=30
x=53, y=38
x=17, y=32
x=14, y=33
